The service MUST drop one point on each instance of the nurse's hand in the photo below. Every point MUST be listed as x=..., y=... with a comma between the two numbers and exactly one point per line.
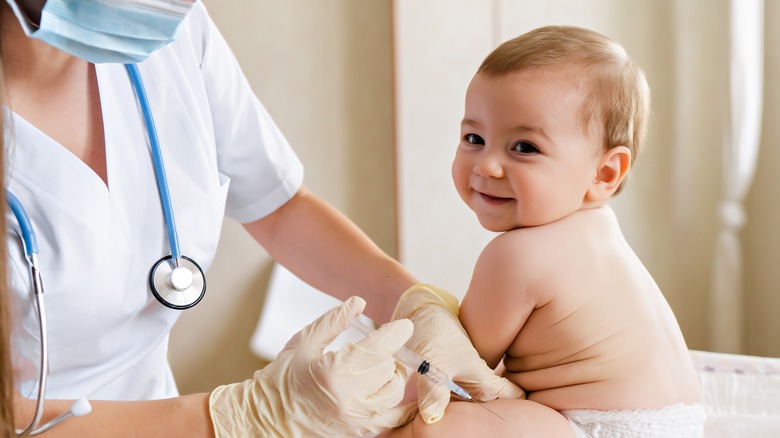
x=350, y=392
x=440, y=339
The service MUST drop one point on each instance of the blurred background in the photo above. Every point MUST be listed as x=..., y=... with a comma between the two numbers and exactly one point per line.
x=370, y=95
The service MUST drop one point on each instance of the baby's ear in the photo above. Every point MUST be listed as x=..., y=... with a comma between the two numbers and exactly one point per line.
x=613, y=167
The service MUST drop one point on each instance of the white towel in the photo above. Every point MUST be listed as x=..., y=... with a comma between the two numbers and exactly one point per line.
x=290, y=305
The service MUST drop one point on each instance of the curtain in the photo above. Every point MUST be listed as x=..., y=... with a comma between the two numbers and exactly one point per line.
x=741, y=138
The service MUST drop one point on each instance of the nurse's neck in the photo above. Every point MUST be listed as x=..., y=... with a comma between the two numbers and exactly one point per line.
x=53, y=91
x=30, y=59
x=32, y=10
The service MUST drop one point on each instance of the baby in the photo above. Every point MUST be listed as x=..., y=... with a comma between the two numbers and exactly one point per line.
x=553, y=121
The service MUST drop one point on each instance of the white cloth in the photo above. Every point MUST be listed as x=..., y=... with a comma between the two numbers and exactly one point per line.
x=739, y=394
x=291, y=304
x=680, y=421
x=108, y=336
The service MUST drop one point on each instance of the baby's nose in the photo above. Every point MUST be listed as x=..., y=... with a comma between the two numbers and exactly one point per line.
x=489, y=164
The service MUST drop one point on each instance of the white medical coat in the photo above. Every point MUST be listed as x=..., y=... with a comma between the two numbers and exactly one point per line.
x=108, y=336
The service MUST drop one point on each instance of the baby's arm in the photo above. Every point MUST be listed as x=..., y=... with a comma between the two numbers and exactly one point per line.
x=499, y=301
x=501, y=295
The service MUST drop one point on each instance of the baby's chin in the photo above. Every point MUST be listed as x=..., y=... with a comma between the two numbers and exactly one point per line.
x=504, y=226
x=499, y=227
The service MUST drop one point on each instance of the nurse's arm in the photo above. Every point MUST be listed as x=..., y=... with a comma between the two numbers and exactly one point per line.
x=185, y=416
x=323, y=247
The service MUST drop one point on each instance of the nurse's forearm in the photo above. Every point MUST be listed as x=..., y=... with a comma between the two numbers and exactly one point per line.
x=324, y=248
x=185, y=416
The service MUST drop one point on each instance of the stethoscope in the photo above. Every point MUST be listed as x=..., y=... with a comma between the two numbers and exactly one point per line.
x=175, y=280
x=80, y=406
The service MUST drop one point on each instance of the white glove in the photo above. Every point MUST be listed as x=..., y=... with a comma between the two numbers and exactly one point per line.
x=440, y=339
x=350, y=392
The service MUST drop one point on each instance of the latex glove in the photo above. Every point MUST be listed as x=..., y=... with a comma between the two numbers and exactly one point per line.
x=440, y=338
x=350, y=392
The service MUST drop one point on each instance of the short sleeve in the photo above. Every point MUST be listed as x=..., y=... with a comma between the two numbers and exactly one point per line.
x=252, y=152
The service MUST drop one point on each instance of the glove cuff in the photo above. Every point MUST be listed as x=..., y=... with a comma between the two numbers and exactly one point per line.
x=421, y=295
x=218, y=412
x=238, y=409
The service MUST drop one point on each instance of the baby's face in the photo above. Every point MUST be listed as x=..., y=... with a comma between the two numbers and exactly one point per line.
x=525, y=157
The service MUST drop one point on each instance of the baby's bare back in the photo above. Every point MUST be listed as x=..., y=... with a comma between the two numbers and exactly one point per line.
x=600, y=335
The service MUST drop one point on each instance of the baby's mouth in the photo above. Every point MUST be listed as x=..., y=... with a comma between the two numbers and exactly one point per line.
x=493, y=199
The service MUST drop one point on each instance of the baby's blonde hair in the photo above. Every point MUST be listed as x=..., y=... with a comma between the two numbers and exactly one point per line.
x=618, y=96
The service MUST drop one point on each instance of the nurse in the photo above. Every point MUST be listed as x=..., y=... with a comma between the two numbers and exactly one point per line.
x=78, y=159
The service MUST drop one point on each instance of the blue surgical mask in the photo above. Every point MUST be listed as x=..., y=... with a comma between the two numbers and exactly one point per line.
x=99, y=31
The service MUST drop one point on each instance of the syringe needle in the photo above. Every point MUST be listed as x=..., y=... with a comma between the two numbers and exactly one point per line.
x=479, y=403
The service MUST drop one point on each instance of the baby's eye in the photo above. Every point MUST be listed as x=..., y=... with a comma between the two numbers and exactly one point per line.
x=524, y=147
x=473, y=139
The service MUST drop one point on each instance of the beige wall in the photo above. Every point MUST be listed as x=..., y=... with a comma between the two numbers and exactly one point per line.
x=323, y=71
x=436, y=55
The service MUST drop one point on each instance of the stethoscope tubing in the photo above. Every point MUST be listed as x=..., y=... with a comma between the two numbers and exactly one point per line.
x=81, y=406
x=25, y=225
x=31, y=251
x=157, y=159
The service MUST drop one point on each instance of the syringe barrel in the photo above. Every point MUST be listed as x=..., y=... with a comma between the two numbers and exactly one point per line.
x=430, y=372
x=361, y=326
x=435, y=375
x=409, y=358
x=404, y=355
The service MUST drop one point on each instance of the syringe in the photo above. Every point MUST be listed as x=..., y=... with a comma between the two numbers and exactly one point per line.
x=418, y=364
x=423, y=367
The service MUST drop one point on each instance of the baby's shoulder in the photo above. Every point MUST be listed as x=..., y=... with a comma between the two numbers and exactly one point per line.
x=522, y=251
x=533, y=240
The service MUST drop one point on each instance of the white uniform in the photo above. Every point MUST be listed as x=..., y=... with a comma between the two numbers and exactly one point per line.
x=108, y=336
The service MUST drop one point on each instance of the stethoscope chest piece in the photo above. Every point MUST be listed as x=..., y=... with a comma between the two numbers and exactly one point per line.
x=178, y=287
